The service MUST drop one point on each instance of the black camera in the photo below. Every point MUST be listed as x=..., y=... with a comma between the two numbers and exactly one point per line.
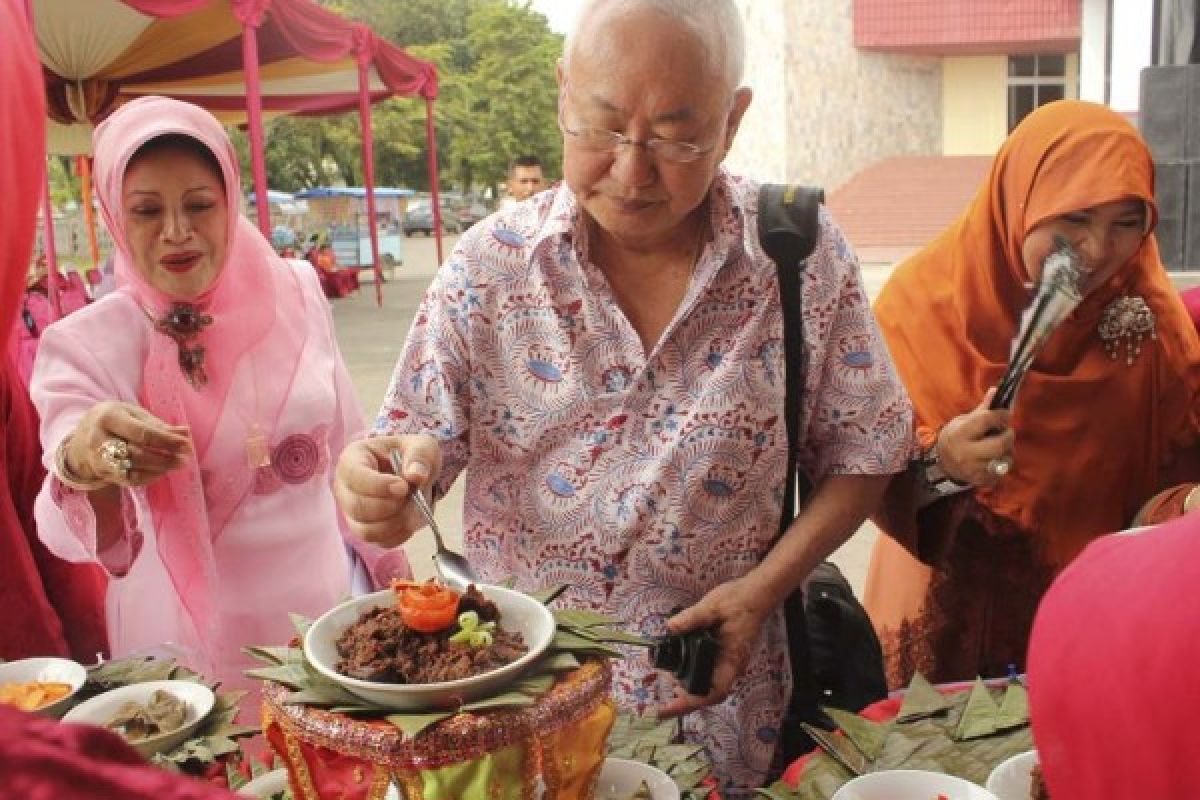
x=690, y=657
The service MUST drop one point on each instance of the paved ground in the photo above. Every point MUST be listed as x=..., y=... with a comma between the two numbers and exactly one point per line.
x=370, y=337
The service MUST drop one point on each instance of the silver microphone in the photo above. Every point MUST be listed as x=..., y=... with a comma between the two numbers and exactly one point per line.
x=1056, y=295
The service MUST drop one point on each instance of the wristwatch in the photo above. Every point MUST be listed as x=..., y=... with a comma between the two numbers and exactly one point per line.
x=936, y=480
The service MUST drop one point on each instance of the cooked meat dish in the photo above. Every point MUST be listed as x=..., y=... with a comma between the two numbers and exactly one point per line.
x=379, y=647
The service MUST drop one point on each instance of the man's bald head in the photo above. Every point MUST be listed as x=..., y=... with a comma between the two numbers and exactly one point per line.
x=717, y=24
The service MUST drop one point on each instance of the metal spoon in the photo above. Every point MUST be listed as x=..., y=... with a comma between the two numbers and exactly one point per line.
x=453, y=569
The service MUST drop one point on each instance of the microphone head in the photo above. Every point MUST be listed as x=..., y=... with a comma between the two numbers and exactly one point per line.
x=1062, y=270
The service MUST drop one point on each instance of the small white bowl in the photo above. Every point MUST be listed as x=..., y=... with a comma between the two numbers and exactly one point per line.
x=1012, y=779
x=47, y=669
x=619, y=778
x=265, y=785
x=518, y=612
x=910, y=784
x=196, y=697
x=272, y=783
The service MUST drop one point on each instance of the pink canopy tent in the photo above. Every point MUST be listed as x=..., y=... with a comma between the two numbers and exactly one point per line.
x=241, y=59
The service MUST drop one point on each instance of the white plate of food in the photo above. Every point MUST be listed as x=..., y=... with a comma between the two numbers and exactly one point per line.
x=1012, y=779
x=45, y=685
x=154, y=717
x=623, y=779
x=911, y=784
x=363, y=646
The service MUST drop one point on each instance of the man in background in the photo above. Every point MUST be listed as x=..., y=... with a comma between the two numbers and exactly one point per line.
x=525, y=179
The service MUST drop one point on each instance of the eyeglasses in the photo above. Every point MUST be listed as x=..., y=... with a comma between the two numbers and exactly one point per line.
x=602, y=140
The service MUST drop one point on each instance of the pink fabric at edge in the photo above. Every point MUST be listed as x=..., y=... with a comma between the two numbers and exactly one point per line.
x=21, y=154
x=1112, y=688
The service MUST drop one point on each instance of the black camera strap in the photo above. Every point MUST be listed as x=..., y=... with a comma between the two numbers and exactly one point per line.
x=788, y=229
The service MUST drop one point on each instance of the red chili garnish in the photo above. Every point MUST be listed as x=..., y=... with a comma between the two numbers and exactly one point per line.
x=426, y=607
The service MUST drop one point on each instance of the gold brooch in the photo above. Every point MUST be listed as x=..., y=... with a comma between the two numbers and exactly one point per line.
x=1127, y=320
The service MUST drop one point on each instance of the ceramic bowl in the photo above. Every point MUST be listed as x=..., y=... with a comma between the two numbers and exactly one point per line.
x=619, y=778
x=1013, y=779
x=269, y=784
x=196, y=697
x=518, y=612
x=266, y=785
x=47, y=669
x=910, y=784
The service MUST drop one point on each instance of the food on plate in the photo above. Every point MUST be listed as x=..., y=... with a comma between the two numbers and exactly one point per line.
x=431, y=635
x=1037, y=790
x=33, y=695
x=136, y=721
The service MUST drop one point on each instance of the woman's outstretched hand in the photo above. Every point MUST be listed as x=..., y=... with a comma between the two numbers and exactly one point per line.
x=124, y=445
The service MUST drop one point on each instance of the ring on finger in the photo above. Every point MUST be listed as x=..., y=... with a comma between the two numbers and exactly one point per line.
x=999, y=467
x=114, y=452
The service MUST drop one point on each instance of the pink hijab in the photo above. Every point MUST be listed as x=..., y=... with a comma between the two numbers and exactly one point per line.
x=257, y=306
x=1112, y=660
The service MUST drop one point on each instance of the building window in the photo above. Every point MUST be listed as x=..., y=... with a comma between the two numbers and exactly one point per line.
x=1034, y=81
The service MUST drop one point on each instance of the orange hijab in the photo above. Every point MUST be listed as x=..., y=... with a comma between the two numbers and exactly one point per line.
x=1092, y=433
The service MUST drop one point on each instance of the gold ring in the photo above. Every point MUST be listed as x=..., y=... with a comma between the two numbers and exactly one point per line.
x=114, y=452
x=999, y=467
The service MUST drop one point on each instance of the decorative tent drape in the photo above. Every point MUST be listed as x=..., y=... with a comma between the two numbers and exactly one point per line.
x=243, y=60
x=83, y=166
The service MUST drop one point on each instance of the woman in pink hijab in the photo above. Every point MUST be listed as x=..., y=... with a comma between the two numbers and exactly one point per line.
x=191, y=419
x=1112, y=686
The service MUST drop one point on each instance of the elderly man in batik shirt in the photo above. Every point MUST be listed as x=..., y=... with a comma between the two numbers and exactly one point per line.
x=605, y=362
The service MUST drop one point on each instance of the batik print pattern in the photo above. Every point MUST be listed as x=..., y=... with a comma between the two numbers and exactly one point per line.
x=642, y=481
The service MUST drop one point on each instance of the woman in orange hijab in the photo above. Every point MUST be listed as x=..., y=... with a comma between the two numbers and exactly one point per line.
x=995, y=503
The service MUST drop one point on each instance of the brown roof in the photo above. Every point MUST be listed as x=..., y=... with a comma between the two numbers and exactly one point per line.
x=898, y=205
x=947, y=27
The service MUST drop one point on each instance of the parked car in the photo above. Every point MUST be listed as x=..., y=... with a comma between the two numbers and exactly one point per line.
x=471, y=213
x=419, y=219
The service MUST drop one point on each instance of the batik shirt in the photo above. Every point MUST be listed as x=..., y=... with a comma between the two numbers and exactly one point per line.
x=643, y=480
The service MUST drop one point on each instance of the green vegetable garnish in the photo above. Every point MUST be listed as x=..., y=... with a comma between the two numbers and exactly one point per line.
x=472, y=632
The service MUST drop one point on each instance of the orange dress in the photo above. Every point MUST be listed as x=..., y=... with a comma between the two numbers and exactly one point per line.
x=952, y=587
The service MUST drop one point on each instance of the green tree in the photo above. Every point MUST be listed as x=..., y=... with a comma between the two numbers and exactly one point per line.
x=497, y=95
x=515, y=102
x=66, y=187
x=304, y=152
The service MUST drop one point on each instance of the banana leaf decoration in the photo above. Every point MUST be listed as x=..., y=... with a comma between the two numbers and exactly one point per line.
x=980, y=716
x=921, y=700
x=964, y=734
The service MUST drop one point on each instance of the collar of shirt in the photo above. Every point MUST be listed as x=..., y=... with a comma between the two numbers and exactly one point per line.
x=730, y=200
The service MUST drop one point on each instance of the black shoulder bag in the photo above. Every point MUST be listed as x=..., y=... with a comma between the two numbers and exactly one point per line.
x=836, y=658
